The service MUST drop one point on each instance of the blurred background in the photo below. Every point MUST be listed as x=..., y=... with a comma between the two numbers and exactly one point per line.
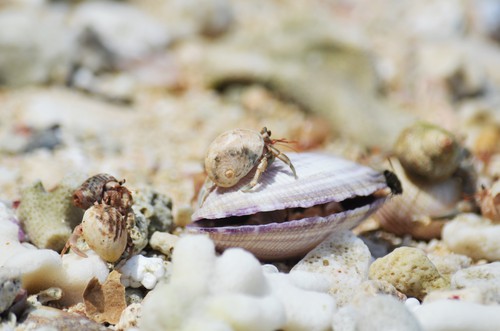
x=139, y=89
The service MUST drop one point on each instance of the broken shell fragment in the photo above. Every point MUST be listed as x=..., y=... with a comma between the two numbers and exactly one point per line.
x=284, y=217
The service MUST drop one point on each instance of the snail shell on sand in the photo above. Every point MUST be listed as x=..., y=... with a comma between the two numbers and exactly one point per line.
x=284, y=217
x=428, y=151
x=422, y=203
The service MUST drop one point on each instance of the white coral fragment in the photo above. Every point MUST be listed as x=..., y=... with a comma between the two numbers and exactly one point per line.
x=231, y=292
x=142, y=271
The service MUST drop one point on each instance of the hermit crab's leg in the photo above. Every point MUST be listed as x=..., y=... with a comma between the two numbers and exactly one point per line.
x=77, y=232
x=277, y=153
x=266, y=160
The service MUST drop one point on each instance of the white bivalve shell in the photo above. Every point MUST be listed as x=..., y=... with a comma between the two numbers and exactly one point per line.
x=104, y=230
x=284, y=217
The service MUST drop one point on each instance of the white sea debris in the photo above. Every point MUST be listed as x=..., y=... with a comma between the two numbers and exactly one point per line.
x=231, y=292
x=142, y=271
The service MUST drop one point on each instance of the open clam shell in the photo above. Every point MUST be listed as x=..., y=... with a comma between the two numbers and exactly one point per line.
x=283, y=217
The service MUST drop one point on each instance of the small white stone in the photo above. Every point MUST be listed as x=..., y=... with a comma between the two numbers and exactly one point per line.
x=454, y=315
x=474, y=236
x=78, y=271
x=412, y=303
x=477, y=276
x=140, y=270
x=248, y=313
x=378, y=313
x=238, y=271
x=473, y=294
x=193, y=262
x=310, y=281
x=485, y=278
x=305, y=310
x=269, y=268
x=344, y=259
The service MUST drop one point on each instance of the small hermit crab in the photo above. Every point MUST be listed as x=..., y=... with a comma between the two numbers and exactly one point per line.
x=233, y=154
x=104, y=224
x=103, y=188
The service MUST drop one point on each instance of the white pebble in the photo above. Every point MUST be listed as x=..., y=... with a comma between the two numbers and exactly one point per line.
x=412, y=303
x=270, y=268
x=378, y=313
x=305, y=310
x=248, y=313
x=344, y=259
x=140, y=270
x=455, y=315
x=474, y=236
x=238, y=271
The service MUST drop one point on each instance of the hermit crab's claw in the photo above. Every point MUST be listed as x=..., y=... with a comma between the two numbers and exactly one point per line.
x=71, y=243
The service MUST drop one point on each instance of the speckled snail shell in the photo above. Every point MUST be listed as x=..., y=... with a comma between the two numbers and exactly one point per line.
x=428, y=151
x=232, y=155
x=92, y=190
x=104, y=230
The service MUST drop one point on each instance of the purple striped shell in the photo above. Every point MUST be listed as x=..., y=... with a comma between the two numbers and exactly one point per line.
x=283, y=217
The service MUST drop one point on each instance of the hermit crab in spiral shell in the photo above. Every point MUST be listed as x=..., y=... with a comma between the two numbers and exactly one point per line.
x=104, y=226
x=235, y=153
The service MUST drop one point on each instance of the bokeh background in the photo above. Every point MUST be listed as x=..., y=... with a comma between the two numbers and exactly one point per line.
x=139, y=89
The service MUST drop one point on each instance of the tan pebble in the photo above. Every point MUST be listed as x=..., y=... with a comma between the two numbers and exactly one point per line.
x=410, y=271
x=371, y=288
x=163, y=242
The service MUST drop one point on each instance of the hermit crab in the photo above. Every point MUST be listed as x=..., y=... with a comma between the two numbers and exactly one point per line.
x=104, y=224
x=233, y=154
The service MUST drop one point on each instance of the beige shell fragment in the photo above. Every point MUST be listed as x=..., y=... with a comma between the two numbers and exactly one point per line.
x=105, y=302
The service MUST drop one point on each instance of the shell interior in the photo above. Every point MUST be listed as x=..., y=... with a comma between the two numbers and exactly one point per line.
x=286, y=217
